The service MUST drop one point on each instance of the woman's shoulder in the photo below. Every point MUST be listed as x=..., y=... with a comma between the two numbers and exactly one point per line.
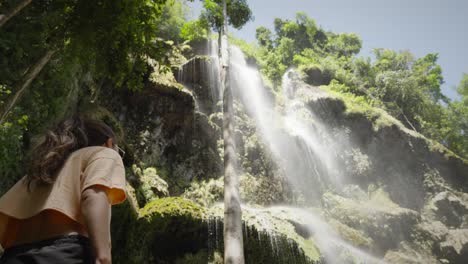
x=93, y=152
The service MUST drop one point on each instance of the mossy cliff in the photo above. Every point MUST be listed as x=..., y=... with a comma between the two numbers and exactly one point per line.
x=405, y=194
x=176, y=230
x=402, y=197
x=157, y=233
x=399, y=186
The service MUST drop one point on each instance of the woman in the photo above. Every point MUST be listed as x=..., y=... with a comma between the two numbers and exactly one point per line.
x=60, y=211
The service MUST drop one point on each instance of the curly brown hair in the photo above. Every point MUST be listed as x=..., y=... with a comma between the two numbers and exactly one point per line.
x=69, y=135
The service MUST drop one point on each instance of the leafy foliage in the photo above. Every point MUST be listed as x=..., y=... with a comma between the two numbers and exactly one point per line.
x=253, y=190
x=152, y=186
x=194, y=30
x=112, y=43
x=172, y=19
x=205, y=193
x=408, y=88
x=238, y=12
x=457, y=120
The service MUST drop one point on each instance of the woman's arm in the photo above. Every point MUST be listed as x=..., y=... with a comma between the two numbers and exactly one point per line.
x=96, y=210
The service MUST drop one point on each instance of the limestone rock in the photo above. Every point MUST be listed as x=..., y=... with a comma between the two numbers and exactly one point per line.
x=380, y=219
x=455, y=246
x=451, y=209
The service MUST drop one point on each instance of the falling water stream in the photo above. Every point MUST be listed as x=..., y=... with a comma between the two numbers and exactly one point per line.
x=299, y=143
x=304, y=152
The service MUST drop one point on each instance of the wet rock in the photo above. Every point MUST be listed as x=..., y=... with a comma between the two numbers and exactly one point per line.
x=201, y=76
x=434, y=231
x=174, y=230
x=406, y=254
x=378, y=217
x=316, y=76
x=455, y=246
x=450, y=208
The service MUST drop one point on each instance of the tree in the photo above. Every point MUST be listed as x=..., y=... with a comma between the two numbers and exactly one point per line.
x=171, y=20
x=238, y=13
x=233, y=241
x=303, y=31
x=29, y=77
x=264, y=37
x=111, y=39
x=429, y=75
x=194, y=30
x=15, y=10
x=457, y=138
x=218, y=16
x=345, y=44
x=410, y=89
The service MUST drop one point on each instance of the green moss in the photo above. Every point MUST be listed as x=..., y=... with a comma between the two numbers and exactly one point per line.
x=360, y=105
x=176, y=230
x=201, y=257
x=265, y=247
x=250, y=50
x=164, y=78
x=172, y=206
x=377, y=216
x=355, y=237
x=435, y=146
x=380, y=198
x=152, y=186
x=162, y=231
x=379, y=117
x=278, y=222
x=206, y=192
x=253, y=190
x=202, y=57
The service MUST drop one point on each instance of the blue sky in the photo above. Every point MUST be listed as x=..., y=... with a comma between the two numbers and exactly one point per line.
x=420, y=26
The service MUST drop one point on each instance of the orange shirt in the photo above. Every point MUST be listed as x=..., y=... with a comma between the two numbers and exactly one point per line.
x=83, y=168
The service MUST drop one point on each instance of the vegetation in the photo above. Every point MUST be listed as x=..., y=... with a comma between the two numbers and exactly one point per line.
x=259, y=190
x=152, y=186
x=408, y=88
x=51, y=53
x=238, y=14
x=60, y=57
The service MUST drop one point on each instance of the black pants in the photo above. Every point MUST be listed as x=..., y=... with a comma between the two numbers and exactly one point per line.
x=66, y=249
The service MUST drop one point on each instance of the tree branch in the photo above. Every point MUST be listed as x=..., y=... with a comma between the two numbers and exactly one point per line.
x=5, y=17
x=28, y=78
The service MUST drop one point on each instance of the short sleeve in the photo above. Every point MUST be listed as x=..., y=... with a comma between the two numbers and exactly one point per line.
x=105, y=168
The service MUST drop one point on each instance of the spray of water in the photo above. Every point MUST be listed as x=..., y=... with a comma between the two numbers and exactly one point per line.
x=303, y=151
x=299, y=142
x=331, y=245
x=307, y=161
x=201, y=76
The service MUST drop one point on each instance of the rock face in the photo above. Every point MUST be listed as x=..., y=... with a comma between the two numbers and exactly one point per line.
x=176, y=230
x=450, y=208
x=422, y=217
x=201, y=76
x=163, y=130
x=400, y=158
x=386, y=224
x=455, y=246
x=401, y=198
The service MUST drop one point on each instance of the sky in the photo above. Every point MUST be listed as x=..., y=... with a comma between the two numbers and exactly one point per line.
x=420, y=26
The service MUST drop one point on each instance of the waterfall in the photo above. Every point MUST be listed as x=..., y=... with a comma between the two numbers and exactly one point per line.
x=315, y=136
x=307, y=162
x=204, y=70
x=302, y=145
x=335, y=250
